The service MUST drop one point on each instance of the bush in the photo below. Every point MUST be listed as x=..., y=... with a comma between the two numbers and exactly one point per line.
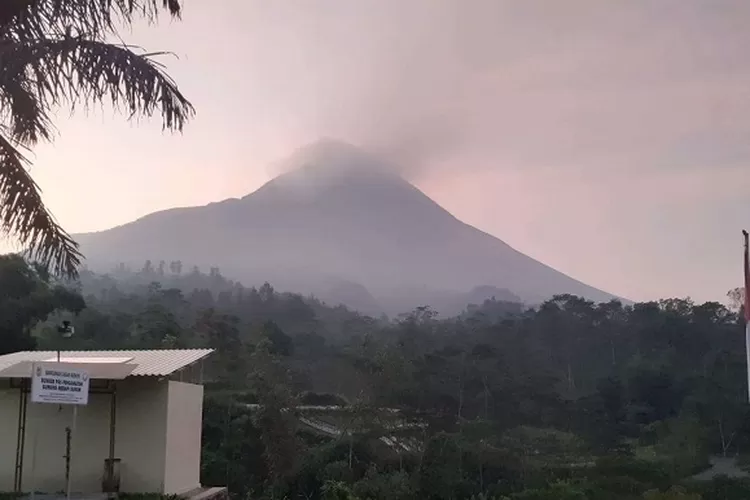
x=561, y=490
x=631, y=471
x=385, y=486
x=723, y=488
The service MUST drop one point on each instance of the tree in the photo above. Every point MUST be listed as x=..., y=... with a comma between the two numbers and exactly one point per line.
x=280, y=343
x=148, y=268
x=157, y=327
x=220, y=332
x=27, y=296
x=539, y=449
x=674, y=493
x=336, y=490
x=736, y=298
x=608, y=427
x=175, y=267
x=270, y=382
x=560, y=490
x=439, y=476
x=54, y=53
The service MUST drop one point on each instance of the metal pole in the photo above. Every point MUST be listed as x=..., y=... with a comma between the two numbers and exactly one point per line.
x=746, y=272
x=34, y=441
x=109, y=469
x=22, y=406
x=67, y=456
x=70, y=451
x=112, y=422
x=59, y=408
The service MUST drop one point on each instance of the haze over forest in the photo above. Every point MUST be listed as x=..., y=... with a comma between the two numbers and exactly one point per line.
x=607, y=141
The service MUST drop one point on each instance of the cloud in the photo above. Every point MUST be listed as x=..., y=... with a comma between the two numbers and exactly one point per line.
x=618, y=123
x=528, y=85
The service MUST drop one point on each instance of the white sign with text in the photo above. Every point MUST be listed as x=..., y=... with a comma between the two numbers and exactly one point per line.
x=54, y=383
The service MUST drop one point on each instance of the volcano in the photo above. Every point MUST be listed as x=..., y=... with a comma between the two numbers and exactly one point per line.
x=342, y=224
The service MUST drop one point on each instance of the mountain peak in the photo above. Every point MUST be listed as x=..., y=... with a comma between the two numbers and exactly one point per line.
x=327, y=150
x=333, y=158
x=330, y=163
x=338, y=212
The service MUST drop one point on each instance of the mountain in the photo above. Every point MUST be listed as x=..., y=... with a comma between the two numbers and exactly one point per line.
x=344, y=225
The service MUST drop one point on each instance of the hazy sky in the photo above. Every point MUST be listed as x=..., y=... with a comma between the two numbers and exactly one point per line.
x=606, y=139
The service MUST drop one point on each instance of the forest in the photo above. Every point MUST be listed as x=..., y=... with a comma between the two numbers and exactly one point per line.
x=569, y=400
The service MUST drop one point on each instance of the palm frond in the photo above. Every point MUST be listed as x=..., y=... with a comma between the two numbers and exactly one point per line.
x=21, y=111
x=78, y=70
x=53, y=52
x=26, y=19
x=24, y=215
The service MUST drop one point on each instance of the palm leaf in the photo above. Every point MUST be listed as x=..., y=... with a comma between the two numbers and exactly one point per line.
x=27, y=19
x=22, y=112
x=70, y=70
x=77, y=70
x=23, y=213
x=52, y=52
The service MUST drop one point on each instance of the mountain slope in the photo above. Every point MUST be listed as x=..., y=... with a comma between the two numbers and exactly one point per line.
x=337, y=216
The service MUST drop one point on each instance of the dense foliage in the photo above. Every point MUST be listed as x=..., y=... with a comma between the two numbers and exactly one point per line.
x=568, y=400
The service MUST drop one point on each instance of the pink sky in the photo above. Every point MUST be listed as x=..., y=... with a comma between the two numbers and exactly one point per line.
x=606, y=139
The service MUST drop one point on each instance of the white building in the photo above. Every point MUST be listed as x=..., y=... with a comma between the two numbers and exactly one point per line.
x=144, y=411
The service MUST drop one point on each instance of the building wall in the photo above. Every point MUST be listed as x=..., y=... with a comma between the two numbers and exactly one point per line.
x=9, y=419
x=45, y=432
x=141, y=435
x=183, y=443
x=140, y=439
x=45, y=439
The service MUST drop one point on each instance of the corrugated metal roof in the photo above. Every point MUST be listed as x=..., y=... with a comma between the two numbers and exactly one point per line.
x=101, y=371
x=151, y=363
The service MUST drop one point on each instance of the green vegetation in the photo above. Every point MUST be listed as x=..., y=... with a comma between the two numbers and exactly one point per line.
x=569, y=400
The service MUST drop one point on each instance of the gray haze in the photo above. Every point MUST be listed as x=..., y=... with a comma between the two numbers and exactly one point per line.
x=607, y=139
x=342, y=227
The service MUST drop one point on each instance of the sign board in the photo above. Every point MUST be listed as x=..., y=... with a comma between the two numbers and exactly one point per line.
x=56, y=383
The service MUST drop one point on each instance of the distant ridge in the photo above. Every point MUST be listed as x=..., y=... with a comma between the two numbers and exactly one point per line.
x=338, y=215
